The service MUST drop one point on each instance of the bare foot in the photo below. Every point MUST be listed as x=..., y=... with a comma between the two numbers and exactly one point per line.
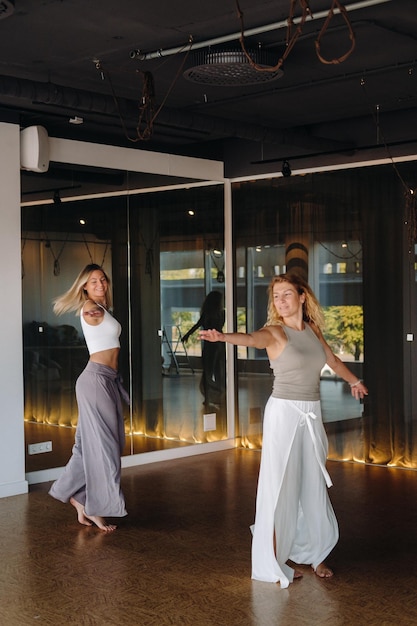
x=89, y=520
x=323, y=571
x=297, y=574
x=80, y=512
x=101, y=523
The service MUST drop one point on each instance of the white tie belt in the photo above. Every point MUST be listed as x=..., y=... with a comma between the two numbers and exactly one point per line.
x=308, y=418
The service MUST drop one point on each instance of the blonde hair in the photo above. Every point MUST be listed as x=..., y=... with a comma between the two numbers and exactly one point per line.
x=312, y=311
x=74, y=298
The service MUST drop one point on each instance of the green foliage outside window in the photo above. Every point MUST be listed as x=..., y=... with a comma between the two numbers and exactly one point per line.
x=186, y=320
x=344, y=330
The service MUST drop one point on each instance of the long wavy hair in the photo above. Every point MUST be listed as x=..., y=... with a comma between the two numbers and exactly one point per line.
x=312, y=311
x=74, y=298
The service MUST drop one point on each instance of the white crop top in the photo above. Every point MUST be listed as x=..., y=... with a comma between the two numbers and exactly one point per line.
x=103, y=336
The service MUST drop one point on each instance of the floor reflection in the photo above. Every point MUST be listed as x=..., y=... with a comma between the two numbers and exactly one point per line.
x=185, y=419
x=182, y=555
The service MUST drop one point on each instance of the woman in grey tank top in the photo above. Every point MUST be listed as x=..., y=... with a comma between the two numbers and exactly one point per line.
x=294, y=518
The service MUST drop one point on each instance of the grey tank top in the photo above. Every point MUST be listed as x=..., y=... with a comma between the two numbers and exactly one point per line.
x=297, y=369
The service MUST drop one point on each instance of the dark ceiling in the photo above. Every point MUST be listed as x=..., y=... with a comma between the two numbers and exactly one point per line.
x=61, y=60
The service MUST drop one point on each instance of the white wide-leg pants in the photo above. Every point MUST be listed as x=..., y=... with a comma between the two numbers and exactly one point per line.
x=293, y=509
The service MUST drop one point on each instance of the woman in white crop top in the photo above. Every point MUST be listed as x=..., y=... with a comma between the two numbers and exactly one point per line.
x=294, y=518
x=91, y=479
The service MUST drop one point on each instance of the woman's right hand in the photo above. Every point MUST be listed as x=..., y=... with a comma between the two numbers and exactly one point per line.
x=211, y=335
x=94, y=313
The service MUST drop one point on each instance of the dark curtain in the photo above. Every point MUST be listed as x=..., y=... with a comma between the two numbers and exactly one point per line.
x=367, y=204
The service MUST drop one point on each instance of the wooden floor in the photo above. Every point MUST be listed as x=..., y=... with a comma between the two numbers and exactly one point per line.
x=182, y=556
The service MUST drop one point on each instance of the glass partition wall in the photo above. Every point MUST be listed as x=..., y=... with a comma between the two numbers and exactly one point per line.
x=347, y=231
x=352, y=233
x=190, y=252
x=164, y=253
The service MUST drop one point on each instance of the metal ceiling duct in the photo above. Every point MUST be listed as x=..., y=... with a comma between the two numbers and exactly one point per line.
x=231, y=68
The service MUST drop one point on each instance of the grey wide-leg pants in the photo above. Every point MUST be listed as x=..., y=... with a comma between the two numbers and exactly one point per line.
x=92, y=475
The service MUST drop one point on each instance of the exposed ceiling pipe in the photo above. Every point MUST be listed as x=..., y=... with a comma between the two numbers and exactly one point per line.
x=299, y=157
x=147, y=56
x=70, y=99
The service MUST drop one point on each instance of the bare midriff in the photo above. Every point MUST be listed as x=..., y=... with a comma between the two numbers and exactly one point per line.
x=107, y=357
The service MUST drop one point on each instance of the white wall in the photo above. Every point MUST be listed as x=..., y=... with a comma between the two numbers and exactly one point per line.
x=12, y=445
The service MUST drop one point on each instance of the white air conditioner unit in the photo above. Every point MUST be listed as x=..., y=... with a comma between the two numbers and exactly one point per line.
x=34, y=149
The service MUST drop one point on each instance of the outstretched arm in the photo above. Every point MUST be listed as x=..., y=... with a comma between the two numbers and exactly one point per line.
x=258, y=339
x=191, y=331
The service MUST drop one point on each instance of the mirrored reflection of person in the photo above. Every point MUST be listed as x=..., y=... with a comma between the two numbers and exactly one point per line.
x=294, y=518
x=91, y=479
x=213, y=379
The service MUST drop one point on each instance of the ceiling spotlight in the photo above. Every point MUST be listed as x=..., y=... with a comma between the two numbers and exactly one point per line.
x=286, y=169
x=344, y=244
x=57, y=197
x=82, y=221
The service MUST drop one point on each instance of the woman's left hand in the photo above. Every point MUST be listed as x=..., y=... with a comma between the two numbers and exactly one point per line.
x=359, y=391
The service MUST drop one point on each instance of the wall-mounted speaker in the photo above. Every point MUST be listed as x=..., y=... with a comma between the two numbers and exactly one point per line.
x=34, y=149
